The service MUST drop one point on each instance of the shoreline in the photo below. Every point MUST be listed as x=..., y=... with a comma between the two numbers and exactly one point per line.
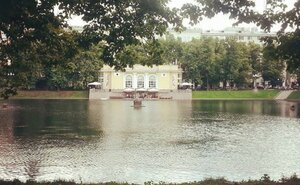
x=264, y=180
x=214, y=95
x=51, y=95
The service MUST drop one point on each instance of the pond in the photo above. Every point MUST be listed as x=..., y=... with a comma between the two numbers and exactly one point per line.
x=172, y=141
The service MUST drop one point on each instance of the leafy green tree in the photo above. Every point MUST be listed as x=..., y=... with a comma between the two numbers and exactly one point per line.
x=62, y=65
x=209, y=61
x=172, y=49
x=272, y=68
x=148, y=53
x=23, y=23
x=287, y=49
x=287, y=40
x=122, y=23
x=245, y=68
x=85, y=67
x=235, y=67
x=67, y=66
x=255, y=57
x=200, y=62
x=116, y=24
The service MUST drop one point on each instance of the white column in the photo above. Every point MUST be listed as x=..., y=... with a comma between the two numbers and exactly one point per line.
x=134, y=81
x=157, y=82
x=146, y=82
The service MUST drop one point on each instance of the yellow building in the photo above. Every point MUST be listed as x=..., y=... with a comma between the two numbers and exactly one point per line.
x=158, y=82
x=161, y=78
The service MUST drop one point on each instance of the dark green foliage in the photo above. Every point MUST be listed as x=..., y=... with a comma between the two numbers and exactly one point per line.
x=173, y=49
x=287, y=41
x=147, y=54
x=122, y=23
x=33, y=45
x=286, y=48
x=272, y=68
x=21, y=24
x=208, y=62
x=200, y=63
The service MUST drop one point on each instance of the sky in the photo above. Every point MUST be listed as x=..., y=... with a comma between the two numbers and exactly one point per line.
x=217, y=23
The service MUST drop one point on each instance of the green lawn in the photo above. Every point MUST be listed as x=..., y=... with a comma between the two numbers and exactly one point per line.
x=294, y=96
x=242, y=94
x=51, y=95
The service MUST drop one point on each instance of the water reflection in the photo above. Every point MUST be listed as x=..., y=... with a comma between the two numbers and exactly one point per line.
x=276, y=108
x=50, y=117
x=175, y=141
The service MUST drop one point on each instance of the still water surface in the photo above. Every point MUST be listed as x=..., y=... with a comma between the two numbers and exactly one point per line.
x=173, y=141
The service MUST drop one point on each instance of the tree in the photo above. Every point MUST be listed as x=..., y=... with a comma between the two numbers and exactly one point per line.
x=122, y=23
x=272, y=68
x=85, y=67
x=148, y=54
x=255, y=57
x=172, y=49
x=116, y=24
x=21, y=24
x=286, y=41
x=199, y=62
x=65, y=65
x=235, y=67
x=209, y=61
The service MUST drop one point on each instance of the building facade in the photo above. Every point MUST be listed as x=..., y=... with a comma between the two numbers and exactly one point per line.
x=159, y=82
x=241, y=34
x=162, y=78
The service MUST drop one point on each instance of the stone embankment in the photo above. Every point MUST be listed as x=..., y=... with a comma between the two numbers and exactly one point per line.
x=99, y=94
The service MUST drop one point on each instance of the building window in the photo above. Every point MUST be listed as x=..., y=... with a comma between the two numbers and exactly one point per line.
x=152, y=81
x=140, y=81
x=128, y=81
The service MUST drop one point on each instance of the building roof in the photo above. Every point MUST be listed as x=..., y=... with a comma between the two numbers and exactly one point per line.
x=146, y=69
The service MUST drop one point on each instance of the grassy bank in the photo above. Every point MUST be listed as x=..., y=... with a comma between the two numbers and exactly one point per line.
x=294, y=96
x=51, y=95
x=265, y=180
x=243, y=94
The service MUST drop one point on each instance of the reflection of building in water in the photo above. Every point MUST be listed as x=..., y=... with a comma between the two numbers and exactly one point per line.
x=121, y=117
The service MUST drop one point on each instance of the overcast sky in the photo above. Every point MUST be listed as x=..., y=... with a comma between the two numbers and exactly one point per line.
x=218, y=23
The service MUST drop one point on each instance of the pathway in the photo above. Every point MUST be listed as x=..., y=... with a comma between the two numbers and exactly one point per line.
x=283, y=95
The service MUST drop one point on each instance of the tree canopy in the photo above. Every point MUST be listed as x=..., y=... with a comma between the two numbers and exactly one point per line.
x=27, y=24
x=277, y=12
x=120, y=23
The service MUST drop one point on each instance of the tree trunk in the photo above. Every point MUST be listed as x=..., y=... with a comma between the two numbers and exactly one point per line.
x=224, y=84
x=207, y=83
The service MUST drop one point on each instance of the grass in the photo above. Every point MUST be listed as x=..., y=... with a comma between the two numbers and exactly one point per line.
x=243, y=94
x=294, y=96
x=51, y=95
x=265, y=180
